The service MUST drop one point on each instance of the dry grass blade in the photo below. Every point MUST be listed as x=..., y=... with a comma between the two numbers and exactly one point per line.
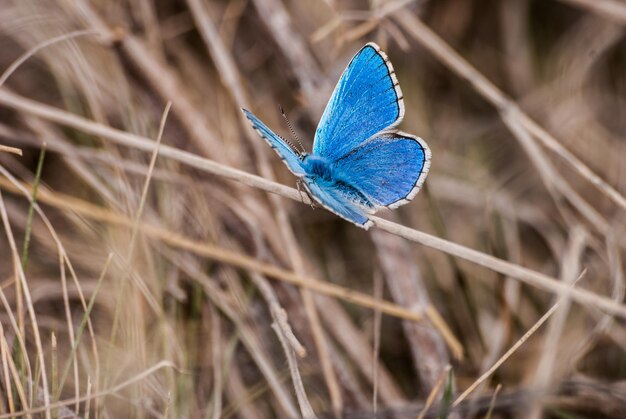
x=612, y=10
x=146, y=185
x=21, y=344
x=492, y=404
x=513, y=348
x=305, y=406
x=19, y=273
x=545, y=376
x=94, y=396
x=8, y=367
x=81, y=327
x=386, y=9
x=31, y=207
x=12, y=150
x=134, y=229
x=11, y=69
x=434, y=392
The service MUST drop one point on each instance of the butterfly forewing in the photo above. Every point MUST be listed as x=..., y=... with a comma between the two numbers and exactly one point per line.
x=285, y=152
x=366, y=101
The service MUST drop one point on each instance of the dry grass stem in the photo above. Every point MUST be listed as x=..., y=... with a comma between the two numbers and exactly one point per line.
x=305, y=406
x=94, y=396
x=12, y=150
x=492, y=404
x=435, y=392
x=65, y=37
x=612, y=10
x=544, y=375
x=19, y=273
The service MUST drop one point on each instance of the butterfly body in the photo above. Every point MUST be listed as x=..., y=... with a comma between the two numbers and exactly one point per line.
x=328, y=175
x=360, y=162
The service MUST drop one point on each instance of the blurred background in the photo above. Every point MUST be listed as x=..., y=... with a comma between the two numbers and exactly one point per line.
x=141, y=287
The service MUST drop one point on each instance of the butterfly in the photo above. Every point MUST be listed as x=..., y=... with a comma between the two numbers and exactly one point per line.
x=360, y=163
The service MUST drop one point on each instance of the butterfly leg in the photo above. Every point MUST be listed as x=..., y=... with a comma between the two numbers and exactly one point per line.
x=300, y=186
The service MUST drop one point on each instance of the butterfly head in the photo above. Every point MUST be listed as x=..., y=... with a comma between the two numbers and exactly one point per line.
x=317, y=167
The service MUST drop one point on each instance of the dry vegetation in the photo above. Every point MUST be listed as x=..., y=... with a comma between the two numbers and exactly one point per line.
x=153, y=275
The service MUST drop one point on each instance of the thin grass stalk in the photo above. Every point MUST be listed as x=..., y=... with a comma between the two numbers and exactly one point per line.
x=305, y=406
x=434, y=392
x=19, y=273
x=544, y=375
x=88, y=402
x=6, y=369
x=18, y=288
x=611, y=10
x=29, y=223
x=492, y=404
x=448, y=392
x=249, y=339
x=65, y=260
x=103, y=393
x=19, y=388
x=54, y=366
x=81, y=327
x=513, y=348
x=72, y=360
x=26, y=55
x=134, y=227
x=21, y=342
x=218, y=371
x=12, y=150
x=378, y=294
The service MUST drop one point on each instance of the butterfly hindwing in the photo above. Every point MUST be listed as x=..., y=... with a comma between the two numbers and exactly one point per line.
x=388, y=169
x=332, y=198
x=366, y=101
x=285, y=152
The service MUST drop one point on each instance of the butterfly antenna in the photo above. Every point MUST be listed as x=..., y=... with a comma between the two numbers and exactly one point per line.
x=293, y=147
x=293, y=132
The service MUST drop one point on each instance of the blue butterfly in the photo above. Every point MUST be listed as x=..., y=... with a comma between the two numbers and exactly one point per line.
x=360, y=163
